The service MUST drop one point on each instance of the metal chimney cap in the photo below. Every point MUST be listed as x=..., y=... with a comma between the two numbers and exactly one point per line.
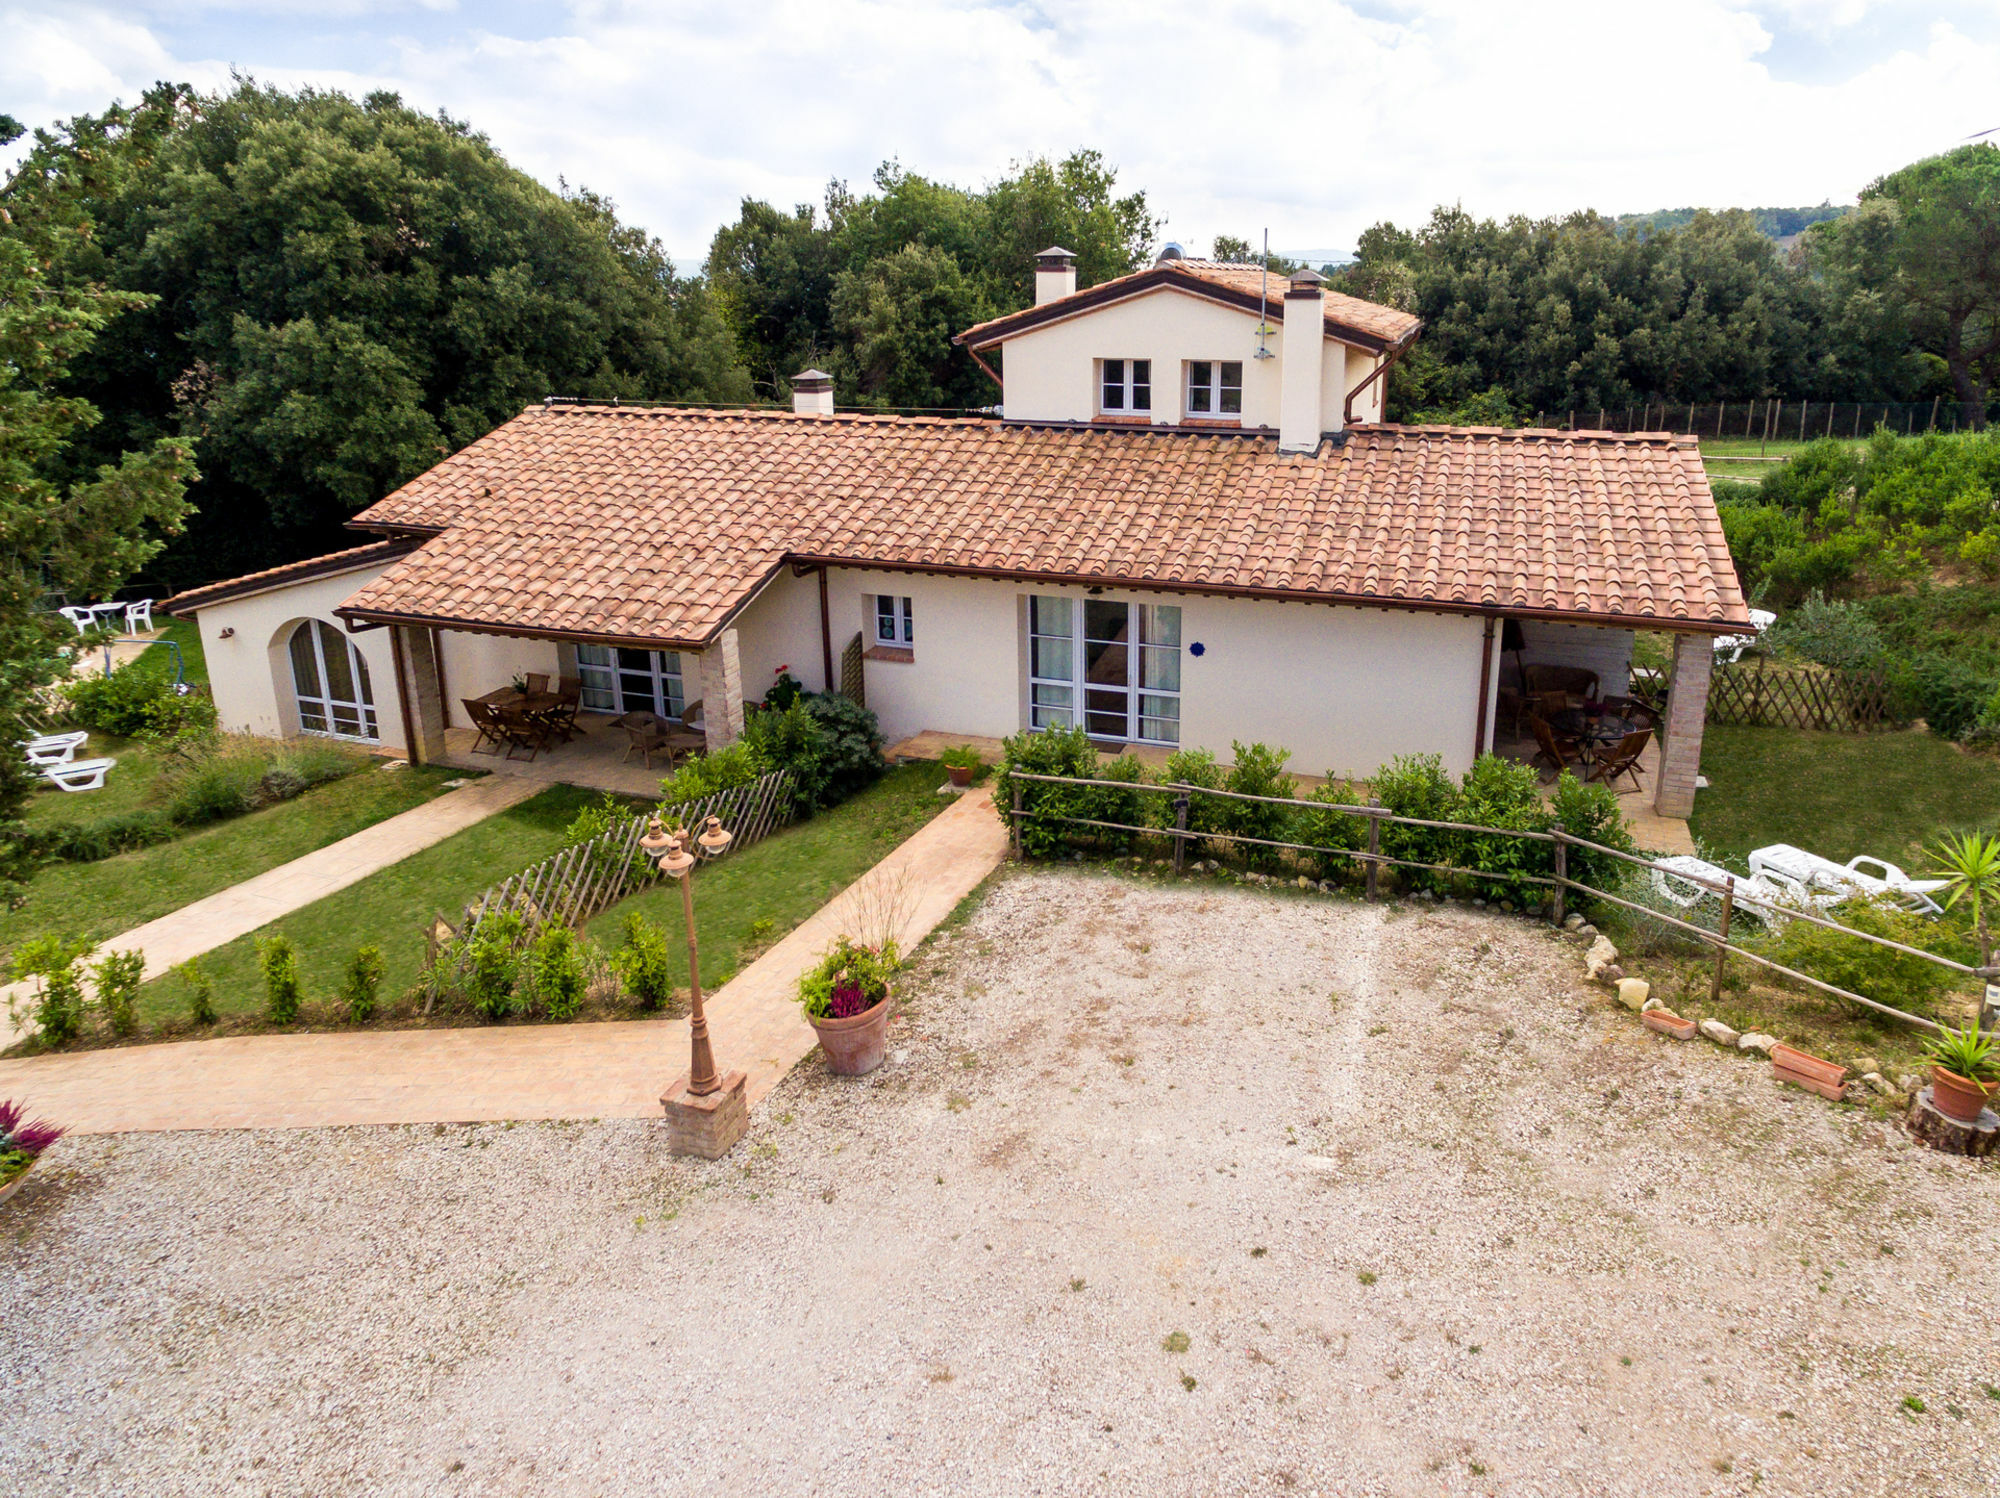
x=812, y=379
x=1170, y=251
x=1308, y=277
x=1056, y=252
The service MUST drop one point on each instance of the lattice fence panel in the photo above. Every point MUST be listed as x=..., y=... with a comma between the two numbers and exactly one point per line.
x=1758, y=695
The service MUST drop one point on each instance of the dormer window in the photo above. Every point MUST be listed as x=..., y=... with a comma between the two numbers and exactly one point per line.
x=1127, y=387
x=1214, y=388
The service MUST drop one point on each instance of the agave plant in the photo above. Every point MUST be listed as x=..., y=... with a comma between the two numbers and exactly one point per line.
x=1968, y=1052
x=1969, y=863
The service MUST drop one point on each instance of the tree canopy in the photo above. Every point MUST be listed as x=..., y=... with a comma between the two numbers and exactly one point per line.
x=871, y=288
x=334, y=295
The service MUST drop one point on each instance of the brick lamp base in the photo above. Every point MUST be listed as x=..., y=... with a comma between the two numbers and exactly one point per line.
x=707, y=1127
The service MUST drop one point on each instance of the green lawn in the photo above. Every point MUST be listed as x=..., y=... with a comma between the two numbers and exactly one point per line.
x=1839, y=794
x=782, y=879
x=116, y=894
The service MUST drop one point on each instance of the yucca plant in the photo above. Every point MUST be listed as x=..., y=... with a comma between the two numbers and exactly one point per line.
x=1969, y=863
x=1970, y=1052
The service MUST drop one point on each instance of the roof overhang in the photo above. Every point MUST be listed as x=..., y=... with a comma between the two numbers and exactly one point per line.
x=356, y=559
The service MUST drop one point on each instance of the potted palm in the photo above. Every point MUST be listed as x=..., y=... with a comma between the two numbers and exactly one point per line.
x=21, y=1144
x=961, y=764
x=845, y=998
x=1964, y=1071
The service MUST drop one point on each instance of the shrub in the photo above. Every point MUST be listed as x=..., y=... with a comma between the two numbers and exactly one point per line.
x=200, y=991
x=99, y=837
x=793, y=740
x=558, y=972
x=1843, y=636
x=854, y=751
x=118, y=976
x=1502, y=793
x=644, y=963
x=1326, y=828
x=849, y=979
x=59, y=1007
x=1052, y=751
x=493, y=965
x=1191, y=767
x=1591, y=812
x=175, y=713
x=1103, y=804
x=117, y=702
x=1259, y=771
x=783, y=692
x=1415, y=785
x=363, y=984
x=1874, y=972
x=723, y=770
x=1947, y=694
x=278, y=961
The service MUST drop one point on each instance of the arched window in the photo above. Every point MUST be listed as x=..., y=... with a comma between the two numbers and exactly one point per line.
x=331, y=681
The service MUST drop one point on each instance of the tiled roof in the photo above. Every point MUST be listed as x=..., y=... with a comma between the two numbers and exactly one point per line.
x=355, y=557
x=1347, y=318
x=655, y=525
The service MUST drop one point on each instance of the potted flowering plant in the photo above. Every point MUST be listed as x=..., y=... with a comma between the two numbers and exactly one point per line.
x=845, y=997
x=961, y=763
x=1965, y=1068
x=21, y=1144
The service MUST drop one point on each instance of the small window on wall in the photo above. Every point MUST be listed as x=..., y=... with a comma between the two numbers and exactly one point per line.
x=893, y=624
x=1215, y=388
x=1127, y=387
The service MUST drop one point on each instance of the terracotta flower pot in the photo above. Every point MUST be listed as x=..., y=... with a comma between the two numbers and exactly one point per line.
x=1958, y=1097
x=1669, y=1023
x=961, y=775
x=15, y=1185
x=853, y=1046
x=1803, y=1069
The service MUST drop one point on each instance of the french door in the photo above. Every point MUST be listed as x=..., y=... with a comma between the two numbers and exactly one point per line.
x=330, y=683
x=618, y=680
x=1112, y=665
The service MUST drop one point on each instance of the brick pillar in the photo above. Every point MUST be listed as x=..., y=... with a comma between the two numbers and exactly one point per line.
x=722, y=692
x=1687, y=713
x=424, y=734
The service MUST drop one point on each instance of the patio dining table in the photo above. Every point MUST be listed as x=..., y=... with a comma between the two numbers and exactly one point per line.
x=1593, y=732
x=527, y=702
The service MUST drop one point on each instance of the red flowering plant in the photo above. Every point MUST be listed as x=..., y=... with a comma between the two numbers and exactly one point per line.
x=849, y=979
x=21, y=1141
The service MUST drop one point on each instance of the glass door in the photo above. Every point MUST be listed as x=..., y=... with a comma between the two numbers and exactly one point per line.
x=1107, y=669
x=330, y=683
x=620, y=680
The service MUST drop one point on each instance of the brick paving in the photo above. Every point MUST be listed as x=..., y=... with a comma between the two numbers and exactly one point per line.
x=607, y=1070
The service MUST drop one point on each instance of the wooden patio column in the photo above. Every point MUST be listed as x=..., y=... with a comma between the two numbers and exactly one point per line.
x=722, y=692
x=1687, y=715
x=417, y=670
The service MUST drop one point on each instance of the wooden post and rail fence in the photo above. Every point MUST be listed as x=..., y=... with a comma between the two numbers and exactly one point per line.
x=1558, y=882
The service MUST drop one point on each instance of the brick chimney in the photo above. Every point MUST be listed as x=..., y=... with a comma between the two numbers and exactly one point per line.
x=812, y=393
x=1299, y=374
x=1055, y=274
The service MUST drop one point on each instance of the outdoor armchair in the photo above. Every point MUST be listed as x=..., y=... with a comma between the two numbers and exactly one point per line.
x=1557, y=754
x=646, y=734
x=1623, y=760
x=1577, y=683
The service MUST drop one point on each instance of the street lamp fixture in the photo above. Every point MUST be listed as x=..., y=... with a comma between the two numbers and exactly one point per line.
x=706, y=1114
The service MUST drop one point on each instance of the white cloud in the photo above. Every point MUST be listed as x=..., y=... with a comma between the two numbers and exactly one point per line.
x=1313, y=121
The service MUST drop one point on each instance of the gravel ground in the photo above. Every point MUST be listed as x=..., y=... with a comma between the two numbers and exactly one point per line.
x=1174, y=1189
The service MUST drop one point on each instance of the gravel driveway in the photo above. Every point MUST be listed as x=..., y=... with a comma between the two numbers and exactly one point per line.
x=1166, y=1189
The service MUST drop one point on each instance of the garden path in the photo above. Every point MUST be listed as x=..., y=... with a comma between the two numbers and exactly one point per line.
x=242, y=908
x=610, y=1070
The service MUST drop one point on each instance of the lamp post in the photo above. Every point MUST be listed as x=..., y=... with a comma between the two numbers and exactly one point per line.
x=706, y=1114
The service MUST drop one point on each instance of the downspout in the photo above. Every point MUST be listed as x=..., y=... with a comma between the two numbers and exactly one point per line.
x=825, y=636
x=1485, y=683
x=1381, y=368
x=412, y=742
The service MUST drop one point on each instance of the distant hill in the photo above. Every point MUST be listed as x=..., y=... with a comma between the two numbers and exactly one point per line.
x=1781, y=224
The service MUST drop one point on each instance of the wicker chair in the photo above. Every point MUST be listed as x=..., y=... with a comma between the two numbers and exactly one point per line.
x=687, y=736
x=646, y=734
x=1578, y=683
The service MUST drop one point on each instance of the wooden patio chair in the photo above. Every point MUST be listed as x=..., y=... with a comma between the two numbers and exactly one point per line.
x=1635, y=708
x=647, y=734
x=1623, y=760
x=1558, y=754
x=487, y=729
x=570, y=689
x=537, y=681
x=1548, y=705
x=521, y=729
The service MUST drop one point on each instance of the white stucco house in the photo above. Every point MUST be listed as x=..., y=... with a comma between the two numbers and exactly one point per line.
x=1188, y=525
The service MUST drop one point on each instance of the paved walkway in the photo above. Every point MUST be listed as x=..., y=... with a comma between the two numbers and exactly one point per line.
x=613, y=1070
x=242, y=908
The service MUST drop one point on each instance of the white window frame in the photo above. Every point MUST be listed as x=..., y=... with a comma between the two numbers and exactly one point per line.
x=1124, y=375
x=1209, y=389
x=1058, y=691
x=897, y=617
x=606, y=672
x=320, y=703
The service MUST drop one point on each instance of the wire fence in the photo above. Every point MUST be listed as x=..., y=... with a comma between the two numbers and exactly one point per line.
x=1728, y=898
x=1774, y=420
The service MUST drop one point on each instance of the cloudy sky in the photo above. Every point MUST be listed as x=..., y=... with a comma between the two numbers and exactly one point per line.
x=1311, y=118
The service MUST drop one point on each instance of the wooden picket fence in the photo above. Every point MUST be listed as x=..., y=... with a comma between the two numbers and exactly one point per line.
x=1756, y=694
x=572, y=886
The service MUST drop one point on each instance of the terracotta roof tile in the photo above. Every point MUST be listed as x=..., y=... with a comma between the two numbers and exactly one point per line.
x=332, y=563
x=656, y=524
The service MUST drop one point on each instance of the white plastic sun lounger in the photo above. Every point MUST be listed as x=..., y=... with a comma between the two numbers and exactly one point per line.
x=1850, y=878
x=1729, y=648
x=1687, y=881
x=79, y=775
x=53, y=748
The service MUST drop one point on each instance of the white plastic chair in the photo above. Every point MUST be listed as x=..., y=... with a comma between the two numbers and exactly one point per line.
x=1847, y=879
x=82, y=618
x=79, y=775
x=53, y=748
x=139, y=617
